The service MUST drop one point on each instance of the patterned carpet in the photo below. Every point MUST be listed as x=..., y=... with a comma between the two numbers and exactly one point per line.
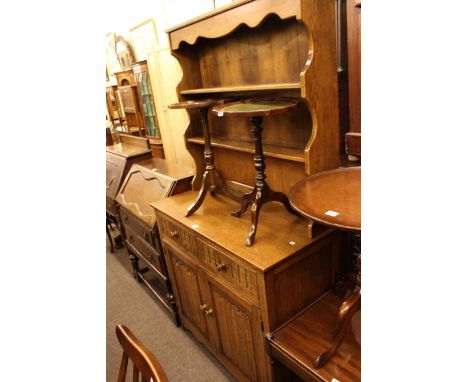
x=129, y=303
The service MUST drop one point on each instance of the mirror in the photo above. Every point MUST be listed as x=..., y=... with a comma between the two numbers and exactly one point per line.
x=124, y=53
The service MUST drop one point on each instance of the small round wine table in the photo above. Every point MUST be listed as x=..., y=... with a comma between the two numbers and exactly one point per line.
x=261, y=193
x=212, y=180
x=333, y=198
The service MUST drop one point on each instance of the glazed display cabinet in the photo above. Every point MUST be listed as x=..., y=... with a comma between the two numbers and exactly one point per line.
x=148, y=110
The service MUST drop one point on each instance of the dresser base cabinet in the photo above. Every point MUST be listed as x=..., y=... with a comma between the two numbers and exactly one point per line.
x=229, y=295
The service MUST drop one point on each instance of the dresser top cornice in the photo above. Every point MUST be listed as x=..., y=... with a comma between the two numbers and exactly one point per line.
x=277, y=228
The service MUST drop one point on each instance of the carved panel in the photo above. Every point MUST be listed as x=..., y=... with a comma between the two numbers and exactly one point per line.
x=236, y=332
x=189, y=292
x=230, y=270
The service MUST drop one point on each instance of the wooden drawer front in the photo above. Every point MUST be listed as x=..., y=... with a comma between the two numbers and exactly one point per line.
x=178, y=235
x=229, y=269
x=144, y=250
x=129, y=221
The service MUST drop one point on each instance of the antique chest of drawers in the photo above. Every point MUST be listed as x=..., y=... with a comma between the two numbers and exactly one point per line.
x=146, y=182
x=229, y=295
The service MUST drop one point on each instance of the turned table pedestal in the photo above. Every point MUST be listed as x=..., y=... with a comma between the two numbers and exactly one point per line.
x=261, y=193
x=212, y=180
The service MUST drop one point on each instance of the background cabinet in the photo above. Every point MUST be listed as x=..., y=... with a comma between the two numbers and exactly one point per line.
x=113, y=105
x=140, y=70
x=129, y=103
x=148, y=109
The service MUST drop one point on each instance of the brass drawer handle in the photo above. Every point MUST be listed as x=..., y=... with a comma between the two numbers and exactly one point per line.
x=203, y=307
x=220, y=267
x=173, y=233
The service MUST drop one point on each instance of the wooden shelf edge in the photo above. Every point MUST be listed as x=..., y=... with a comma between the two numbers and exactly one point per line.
x=301, y=362
x=241, y=88
x=291, y=154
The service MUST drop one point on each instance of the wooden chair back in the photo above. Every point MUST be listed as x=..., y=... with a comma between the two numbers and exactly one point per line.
x=144, y=362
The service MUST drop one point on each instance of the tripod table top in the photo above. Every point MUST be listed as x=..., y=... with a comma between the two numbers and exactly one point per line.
x=255, y=108
x=332, y=198
x=195, y=104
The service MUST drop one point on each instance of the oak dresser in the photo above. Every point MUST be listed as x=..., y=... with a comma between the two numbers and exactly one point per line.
x=229, y=295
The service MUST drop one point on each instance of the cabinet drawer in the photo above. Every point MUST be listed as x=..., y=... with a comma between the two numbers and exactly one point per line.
x=136, y=242
x=178, y=235
x=131, y=222
x=230, y=270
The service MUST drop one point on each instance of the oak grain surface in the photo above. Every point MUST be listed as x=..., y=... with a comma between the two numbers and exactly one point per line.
x=277, y=229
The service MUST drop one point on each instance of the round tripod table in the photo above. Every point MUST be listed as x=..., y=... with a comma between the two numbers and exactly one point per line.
x=261, y=193
x=212, y=180
x=333, y=198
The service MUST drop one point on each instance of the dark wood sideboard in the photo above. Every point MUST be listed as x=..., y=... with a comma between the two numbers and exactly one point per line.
x=146, y=182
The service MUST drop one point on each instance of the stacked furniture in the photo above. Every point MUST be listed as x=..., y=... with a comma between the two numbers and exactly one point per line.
x=149, y=181
x=119, y=159
x=231, y=296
